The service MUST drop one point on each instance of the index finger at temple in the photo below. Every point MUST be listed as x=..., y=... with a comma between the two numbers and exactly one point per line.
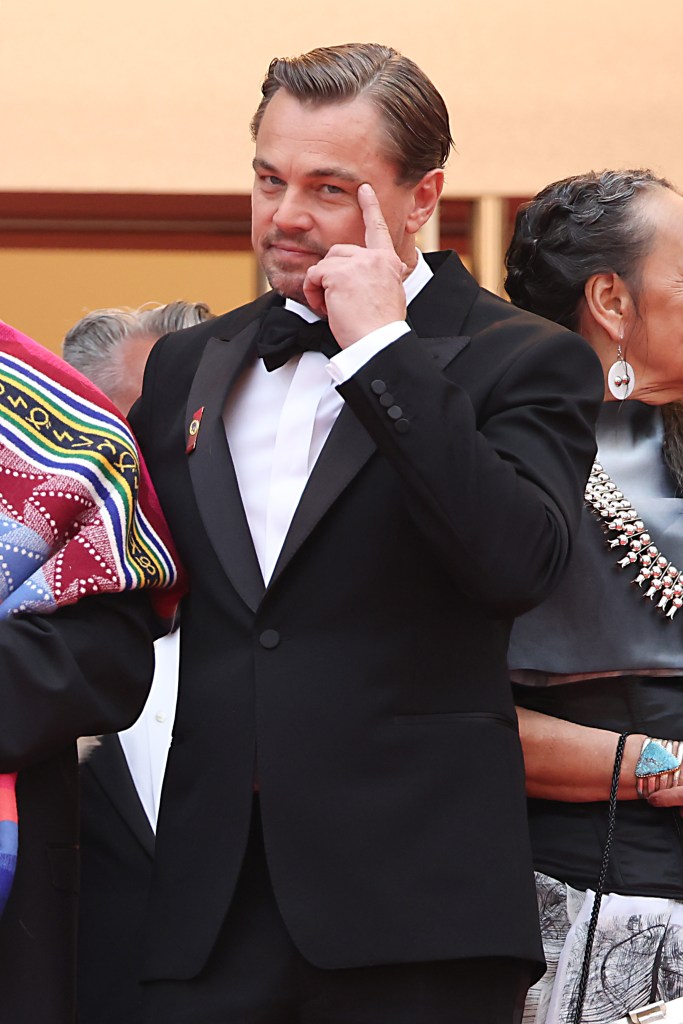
x=376, y=231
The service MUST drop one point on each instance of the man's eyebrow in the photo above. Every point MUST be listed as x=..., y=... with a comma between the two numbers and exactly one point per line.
x=336, y=172
x=340, y=173
x=262, y=165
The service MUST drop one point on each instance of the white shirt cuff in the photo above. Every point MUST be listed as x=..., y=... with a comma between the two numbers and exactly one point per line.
x=347, y=362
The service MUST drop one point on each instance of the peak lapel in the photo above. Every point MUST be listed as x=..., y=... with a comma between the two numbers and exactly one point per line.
x=108, y=764
x=443, y=305
x=211, y=467
x=345, y=452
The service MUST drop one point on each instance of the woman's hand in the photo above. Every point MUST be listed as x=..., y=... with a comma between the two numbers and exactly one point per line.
x=668, y=798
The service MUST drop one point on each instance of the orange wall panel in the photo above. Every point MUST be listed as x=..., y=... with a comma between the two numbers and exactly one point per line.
x=43, y=292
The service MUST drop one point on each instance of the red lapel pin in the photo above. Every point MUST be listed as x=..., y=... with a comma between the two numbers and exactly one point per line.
x=193, y=430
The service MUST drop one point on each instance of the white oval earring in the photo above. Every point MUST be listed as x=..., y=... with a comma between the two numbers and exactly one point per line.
x=621, y=378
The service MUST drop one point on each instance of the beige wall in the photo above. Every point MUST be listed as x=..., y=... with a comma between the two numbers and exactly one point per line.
x=156, y=95
x=43, y=292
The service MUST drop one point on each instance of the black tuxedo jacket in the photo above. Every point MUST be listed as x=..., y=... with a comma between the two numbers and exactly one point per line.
x=367, y=685
x=117, y=853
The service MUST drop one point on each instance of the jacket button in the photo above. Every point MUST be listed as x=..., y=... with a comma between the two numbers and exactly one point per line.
x=269, y=638
x=378, y=387
x=395, y=412
x=386, y=399
x=402, y=426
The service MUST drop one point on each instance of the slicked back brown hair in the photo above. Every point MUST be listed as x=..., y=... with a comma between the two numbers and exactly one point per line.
x=417, y=132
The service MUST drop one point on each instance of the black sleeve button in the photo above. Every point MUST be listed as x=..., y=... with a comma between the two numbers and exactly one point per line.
x=269, y=639
x=402, y=426
x=386, y=399
x=395, y=412
x=378, y=387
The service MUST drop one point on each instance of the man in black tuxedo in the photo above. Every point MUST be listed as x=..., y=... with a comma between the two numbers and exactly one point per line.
x=342, y=835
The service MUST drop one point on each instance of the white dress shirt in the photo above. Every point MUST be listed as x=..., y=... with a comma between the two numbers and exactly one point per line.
x=277, y=422
x=147, y=742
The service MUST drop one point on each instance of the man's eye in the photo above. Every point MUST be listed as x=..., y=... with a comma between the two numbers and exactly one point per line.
x=270, y=181
x=333, y=190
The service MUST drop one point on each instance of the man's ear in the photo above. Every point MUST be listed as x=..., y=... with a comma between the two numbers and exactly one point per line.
x=425, y=196
x=610, y=304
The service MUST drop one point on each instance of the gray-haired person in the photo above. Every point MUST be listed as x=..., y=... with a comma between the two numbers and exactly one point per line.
x=121, y=776
x=111, y=346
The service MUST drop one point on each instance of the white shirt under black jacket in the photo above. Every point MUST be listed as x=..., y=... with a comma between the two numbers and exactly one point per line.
x=277, y=422
x=147, y=742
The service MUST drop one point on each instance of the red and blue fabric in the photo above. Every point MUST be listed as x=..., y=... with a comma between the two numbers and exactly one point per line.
x=78, y=514
x=9, y=835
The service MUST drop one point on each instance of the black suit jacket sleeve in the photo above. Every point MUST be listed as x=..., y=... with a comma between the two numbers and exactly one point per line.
x=84, y=670
x=493, y=449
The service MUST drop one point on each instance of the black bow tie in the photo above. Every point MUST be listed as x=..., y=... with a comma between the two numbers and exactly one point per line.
x=285, y=334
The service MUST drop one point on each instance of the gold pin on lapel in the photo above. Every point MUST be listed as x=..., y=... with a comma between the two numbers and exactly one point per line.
x=193, y=430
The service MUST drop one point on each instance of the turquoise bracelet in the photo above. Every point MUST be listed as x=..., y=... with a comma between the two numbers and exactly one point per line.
x=659, y=766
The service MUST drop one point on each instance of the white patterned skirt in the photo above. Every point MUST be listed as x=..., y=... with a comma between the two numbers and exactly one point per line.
x=637, y=954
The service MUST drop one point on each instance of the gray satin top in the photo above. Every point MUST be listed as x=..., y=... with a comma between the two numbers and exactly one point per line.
x=597, y=622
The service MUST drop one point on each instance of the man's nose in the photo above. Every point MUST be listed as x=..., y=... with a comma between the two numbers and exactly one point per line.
x=293, y=212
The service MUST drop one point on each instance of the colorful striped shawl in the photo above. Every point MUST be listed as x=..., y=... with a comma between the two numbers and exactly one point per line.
x=78, y=515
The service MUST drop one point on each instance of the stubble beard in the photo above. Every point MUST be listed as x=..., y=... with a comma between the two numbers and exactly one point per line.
x=288, y=283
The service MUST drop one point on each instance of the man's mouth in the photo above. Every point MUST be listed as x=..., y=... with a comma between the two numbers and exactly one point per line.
x=295, y=249
x=284, y=245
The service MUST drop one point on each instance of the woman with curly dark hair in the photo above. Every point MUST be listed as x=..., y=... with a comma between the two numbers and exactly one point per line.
x=603, y=255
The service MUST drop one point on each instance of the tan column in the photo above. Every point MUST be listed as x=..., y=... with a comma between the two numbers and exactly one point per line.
x=487, y=242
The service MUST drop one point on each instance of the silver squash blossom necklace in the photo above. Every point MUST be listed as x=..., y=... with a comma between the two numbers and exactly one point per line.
x=626, y=530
